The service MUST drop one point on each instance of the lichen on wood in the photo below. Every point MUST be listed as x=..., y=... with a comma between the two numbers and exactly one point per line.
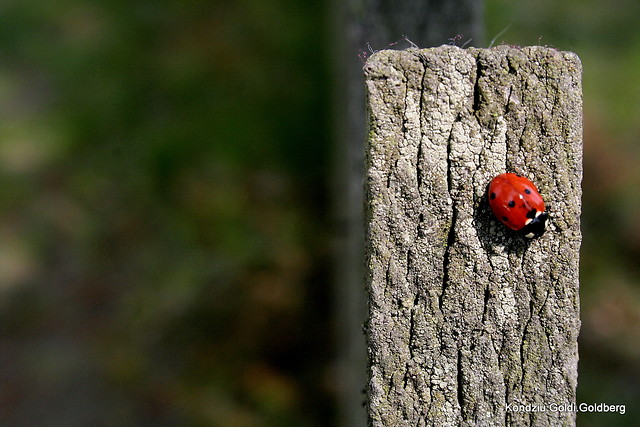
x=467, y=319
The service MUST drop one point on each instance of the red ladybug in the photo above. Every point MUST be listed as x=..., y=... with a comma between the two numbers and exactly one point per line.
x=515, y=201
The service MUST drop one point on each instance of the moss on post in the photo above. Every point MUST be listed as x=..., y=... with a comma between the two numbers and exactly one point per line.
x=468, y=320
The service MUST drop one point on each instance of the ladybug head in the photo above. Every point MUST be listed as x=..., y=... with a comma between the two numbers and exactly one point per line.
x=536, y=226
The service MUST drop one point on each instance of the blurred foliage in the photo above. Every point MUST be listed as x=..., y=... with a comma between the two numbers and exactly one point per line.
x=164, y=257
x=607, y=39
x=161, y=247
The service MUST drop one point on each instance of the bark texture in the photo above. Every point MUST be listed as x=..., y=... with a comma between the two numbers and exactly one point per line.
x=467, y=319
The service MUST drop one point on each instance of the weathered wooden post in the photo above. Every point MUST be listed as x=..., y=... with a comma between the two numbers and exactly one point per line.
x=470, y=323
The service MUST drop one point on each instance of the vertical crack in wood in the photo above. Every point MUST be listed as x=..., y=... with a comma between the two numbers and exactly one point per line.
x=476, y=88
x=412, y=326
x=460, y=393
x=419, y=156
x=485, y=306
x=451, y=234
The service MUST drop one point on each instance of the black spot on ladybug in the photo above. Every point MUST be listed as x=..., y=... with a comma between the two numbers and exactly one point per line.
x=526, y=190
x=493, y=196
x=505, y=219
x=512, y=204
x=532, y=213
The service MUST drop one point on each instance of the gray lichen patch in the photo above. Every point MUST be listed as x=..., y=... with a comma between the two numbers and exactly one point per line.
x=467, y=317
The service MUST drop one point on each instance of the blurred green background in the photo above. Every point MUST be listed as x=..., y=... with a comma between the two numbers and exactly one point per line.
x=165, y=235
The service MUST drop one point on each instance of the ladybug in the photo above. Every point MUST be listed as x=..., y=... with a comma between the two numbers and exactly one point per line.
x=516, y=202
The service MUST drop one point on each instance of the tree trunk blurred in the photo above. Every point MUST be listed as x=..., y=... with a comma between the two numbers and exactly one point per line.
x=355, y=25
x=469, y=322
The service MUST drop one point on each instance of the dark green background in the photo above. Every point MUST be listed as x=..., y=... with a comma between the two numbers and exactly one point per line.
x=165, y=236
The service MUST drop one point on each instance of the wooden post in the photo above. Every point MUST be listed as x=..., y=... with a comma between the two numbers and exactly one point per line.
x=470, y=323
